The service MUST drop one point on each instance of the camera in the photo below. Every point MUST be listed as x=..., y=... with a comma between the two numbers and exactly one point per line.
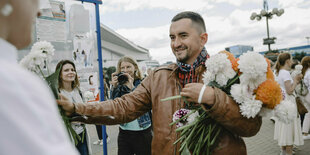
x=122, y=78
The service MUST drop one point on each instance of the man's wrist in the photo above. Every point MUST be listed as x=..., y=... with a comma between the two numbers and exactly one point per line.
x=202, y=90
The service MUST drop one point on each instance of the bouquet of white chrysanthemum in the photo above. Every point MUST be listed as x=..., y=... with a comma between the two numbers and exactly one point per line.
x=296, y=71
x=40, y=55
x=258, y=92
x=249, y=81
x=301, y=89
x=38, y=58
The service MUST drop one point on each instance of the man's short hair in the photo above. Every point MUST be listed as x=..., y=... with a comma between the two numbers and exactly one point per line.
x=194, y=17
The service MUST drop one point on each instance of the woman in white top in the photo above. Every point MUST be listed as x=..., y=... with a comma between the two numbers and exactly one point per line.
x=305, y=62
x=287, y=134
x=68, y=85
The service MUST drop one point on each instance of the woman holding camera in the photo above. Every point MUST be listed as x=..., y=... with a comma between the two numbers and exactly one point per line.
x=134, y=137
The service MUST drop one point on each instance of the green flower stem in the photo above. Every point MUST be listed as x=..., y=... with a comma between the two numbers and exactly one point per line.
x=233, y=80
x=183, y=128
x=69, y=128
x=40, y=71
x=171, y=98
x=215, y=136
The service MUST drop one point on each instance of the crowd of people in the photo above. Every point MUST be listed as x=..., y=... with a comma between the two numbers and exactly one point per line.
x=30, y=120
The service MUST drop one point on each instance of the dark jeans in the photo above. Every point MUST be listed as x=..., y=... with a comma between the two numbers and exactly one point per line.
x=82, y=147
x=134, y=142
x=99, y=132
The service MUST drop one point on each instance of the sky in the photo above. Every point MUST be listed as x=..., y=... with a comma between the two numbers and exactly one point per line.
x=146, y=23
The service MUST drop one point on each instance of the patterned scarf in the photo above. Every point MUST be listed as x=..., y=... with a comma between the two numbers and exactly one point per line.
x=187, y=72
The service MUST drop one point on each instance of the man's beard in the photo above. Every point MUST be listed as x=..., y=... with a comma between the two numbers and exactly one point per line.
x=186, y=57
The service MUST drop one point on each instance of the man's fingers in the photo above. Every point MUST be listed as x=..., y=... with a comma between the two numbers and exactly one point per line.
x=63, y=97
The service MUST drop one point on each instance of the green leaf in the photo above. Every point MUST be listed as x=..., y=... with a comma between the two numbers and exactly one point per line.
x=52, y=81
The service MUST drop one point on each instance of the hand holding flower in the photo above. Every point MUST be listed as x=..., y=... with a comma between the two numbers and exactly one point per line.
x=192, y=90
x=298, y=78
x=66, y=104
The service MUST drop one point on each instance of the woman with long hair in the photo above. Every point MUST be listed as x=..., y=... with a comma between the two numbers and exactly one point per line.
x=68, y=86
x=305, y=62
x=287, y=134
x=134, y=137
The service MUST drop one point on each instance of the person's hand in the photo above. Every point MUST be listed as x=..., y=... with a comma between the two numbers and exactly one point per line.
x=114, y=81
x=129, y=83
x=191, y=92
x=298, y=77
x=66, y=104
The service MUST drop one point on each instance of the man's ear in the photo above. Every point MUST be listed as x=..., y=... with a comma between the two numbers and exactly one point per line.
x=203, y=38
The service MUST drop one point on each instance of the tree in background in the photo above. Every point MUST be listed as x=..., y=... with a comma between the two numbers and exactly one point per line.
x=299, y=56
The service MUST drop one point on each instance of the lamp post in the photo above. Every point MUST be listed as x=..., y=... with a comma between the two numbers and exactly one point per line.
x=308, y=40
x=268, y=14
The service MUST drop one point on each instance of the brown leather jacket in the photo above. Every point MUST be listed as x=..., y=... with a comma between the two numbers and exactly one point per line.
x=162, y=83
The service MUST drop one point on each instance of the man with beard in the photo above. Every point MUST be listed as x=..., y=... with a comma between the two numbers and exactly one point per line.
x=188, y=37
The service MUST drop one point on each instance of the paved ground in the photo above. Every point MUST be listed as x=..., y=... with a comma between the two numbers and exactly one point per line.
x=261, y=144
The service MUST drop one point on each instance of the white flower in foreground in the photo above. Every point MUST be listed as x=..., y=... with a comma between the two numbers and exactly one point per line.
x=41, y=53
x=240, y=93
x=253, y=67
x=250, y=108
x=219, y=69
x=43, y=49
x=208, y=77
x=285, y=111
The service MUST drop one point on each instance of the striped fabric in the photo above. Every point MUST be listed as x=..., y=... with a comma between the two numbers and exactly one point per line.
x=187, y=73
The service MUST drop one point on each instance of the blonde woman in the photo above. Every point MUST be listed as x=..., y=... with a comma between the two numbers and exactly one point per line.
x=134, y=137
x=287, y=134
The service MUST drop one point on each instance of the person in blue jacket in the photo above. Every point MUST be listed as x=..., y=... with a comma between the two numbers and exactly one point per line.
x=134, y=137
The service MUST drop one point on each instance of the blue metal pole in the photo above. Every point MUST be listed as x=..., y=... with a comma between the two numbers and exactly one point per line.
x=101, y=88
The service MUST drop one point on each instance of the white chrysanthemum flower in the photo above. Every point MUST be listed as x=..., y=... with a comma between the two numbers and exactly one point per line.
x=252, y=82
x=41, y=53
x=285, y=111
x=208, y=77
x=253, y=67
x=29, y=62
x=219, y=69
x=43, y=49
x=240, y=93
x=298, y=67
x=296, y=71
x=250, y=108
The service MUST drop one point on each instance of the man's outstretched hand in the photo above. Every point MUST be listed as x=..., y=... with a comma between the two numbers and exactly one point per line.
x=66, y=104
